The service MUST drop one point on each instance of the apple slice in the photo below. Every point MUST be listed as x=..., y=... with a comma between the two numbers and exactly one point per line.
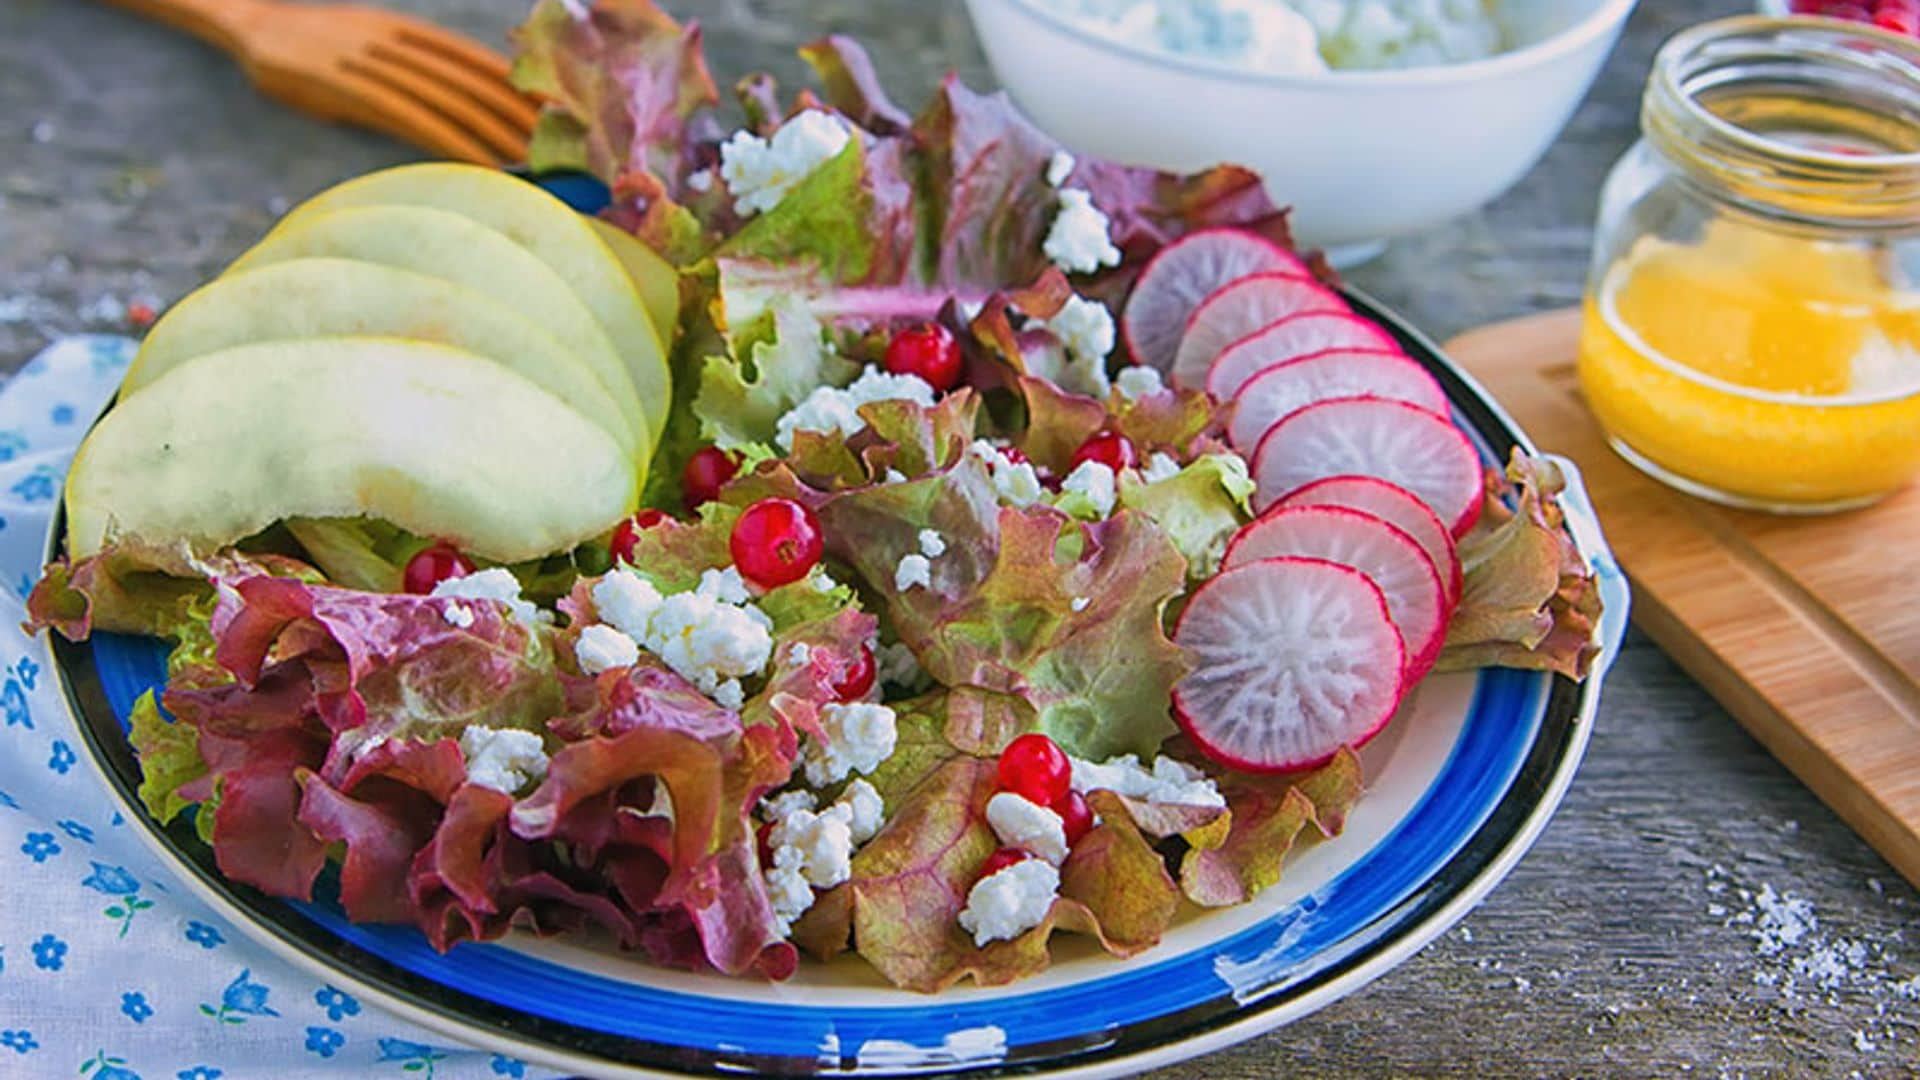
x=324, y=297
x=434, y=440
x=552, y=232
x=449, y=246
x=654, y=278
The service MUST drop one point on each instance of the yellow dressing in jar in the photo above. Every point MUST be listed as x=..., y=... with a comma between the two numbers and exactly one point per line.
x=1752, y=328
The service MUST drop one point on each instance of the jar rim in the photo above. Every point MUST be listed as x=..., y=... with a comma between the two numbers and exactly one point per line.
x=1693, y=134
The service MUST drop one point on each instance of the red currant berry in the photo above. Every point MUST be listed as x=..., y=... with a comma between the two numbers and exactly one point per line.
x=707, y=471
x=1015, y=455
x=927, y=350
x=1109, y=448
x=433, y=566
x=1075, y=814
x=853, y=686
x=140, y=315
x=1034, y=768
x=1900, y=22
x=763, y=842
x=776, y=541
x=626, y=535
x=1002, y=859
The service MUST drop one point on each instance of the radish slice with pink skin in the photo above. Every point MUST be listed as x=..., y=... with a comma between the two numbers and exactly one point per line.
x=1397, y=507
x=1183, y=274
x=1292, y=659
x=1400, y=443
x=1295, y=384
x=1240, y=308
x=1286, y=339
x=1416, y=598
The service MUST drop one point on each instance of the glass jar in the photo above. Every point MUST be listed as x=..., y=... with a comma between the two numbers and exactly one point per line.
x=1752, y=320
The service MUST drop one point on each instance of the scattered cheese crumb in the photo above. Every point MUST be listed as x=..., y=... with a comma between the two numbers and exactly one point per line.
x=497, y=584
x=1020, y=823
x=1080, y=603
x=1059, y=167
x=603, y=648
x=503, y=760
x=457, y=614
x=759, y=172
x=913, y=570
x=1006, y=904
x=1160, y=467
x=1136, y=381
x=860, y=735
x=1078, y=242
x=932, y=544
x=1093, y=481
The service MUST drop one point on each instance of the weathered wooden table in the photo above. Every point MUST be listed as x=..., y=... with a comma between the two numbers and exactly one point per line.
x=1691, y=909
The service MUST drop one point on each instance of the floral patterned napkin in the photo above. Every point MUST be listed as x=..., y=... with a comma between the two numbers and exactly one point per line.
x=109, y=969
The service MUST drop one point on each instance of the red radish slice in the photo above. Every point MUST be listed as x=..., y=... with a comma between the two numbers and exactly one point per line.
x=1336, y=373
x=1416, y=599
x=1294, y=336
x=1397, y=507
x=1400, y=443
x=1240, y=308
x=1186, y=272
x=1293, y=659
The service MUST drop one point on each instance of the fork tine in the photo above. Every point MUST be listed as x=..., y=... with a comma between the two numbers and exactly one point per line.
x=455, y=47
x=388, y=110
x=506, y=102
x=471, y=116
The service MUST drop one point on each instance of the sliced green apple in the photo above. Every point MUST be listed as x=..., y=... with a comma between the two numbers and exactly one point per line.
x=543, y=225
x=429, y=438
x=328, y=297
x=654, y=277
x=458, y=249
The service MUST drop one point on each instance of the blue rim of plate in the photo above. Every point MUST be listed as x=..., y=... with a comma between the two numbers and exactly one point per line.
x=1522, y=738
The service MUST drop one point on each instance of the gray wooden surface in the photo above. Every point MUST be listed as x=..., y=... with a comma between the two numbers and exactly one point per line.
x=1633, y=941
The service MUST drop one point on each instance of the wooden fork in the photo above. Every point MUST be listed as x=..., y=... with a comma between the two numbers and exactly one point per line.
x=436, y=89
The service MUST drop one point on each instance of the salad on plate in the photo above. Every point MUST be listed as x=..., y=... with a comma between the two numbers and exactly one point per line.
x=873, y=533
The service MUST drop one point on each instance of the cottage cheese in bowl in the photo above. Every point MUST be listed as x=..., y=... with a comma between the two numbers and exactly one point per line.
x=1300, y=36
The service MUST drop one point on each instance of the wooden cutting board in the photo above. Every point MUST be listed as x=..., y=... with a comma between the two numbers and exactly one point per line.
x=1806, y=629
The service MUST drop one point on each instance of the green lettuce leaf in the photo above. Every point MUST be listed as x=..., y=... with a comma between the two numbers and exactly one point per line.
x=1269, y=816
x=1199, y=508
x=740, y=401
x=1530, y=600
x=169, y=755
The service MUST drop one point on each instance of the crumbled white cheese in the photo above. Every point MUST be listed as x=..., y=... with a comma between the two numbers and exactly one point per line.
x=932, y=544
x=787, y=888
x=824, y=841
x=1170, y=781
x=626, y=601
x=913, y=570
x=899, y=667
x=730, y=695
x=457, y=614
x=1059, y=167
x=502, y=760
x=1136, y=381
x=822, y=581
x=777, y=807
x=1015, y=482
x=726, y=586
x=603, y=648
x=707, y=641
x=1078, y=241
x=1093, y=481
x=1159, y=467
x=497, y=584
x=868, y=811
x=1010, y=902
x=860, y=735
x=829, y=409
x=701, y=182
x=1085, y=327
x=1080, y=603
x=1020, y=823
x=759, y=172
x=894, y=476
x=799, y=654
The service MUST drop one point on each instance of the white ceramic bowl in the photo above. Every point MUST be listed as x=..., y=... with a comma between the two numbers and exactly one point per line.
x=1361, y=155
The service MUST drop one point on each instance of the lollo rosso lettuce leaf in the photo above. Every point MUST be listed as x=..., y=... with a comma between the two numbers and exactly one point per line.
x=1530, y=600
x=1199, y=508
x=1268, y=817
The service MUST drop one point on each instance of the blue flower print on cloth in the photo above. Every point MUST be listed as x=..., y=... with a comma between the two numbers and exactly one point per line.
x=110, y=969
